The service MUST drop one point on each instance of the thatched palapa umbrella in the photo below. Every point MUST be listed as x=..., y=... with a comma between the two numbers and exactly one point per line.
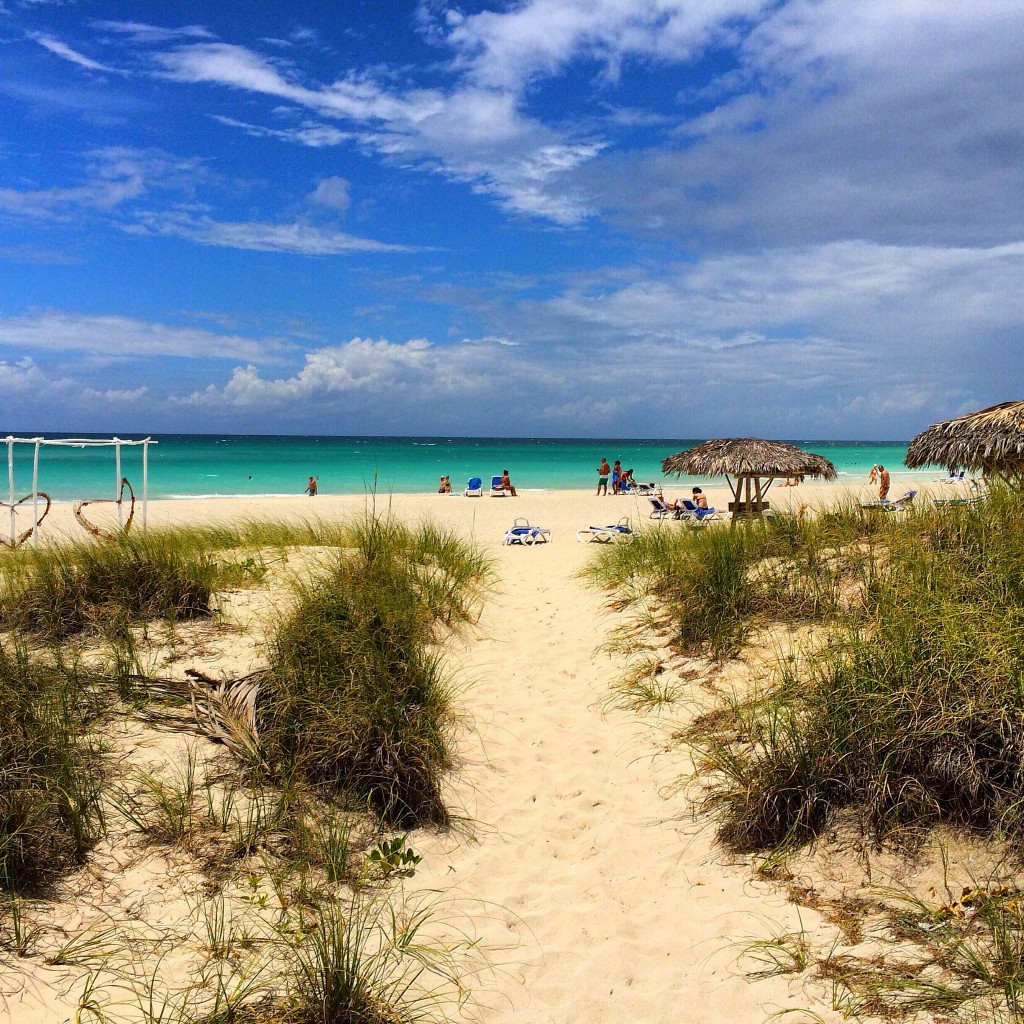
x=751, y=461
x=990, y=441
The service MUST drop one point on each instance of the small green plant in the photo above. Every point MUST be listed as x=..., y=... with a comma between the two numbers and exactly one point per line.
x=393, y=857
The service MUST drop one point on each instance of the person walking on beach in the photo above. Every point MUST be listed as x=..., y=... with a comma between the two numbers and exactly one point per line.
x=506, y=483
x=311, y=486
x=873, y=475
x=883, y=483
x=602, y=476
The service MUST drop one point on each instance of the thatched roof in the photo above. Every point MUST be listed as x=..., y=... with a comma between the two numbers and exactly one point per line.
x=739, y=456
x=991, y=440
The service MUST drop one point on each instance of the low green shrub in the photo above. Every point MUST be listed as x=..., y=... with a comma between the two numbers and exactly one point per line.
x=913, y=715
x=356, y=697
x=152, y=574
x=50, y=779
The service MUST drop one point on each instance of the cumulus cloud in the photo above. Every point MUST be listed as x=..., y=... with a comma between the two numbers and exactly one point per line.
x=332, y=193
x=508, y=49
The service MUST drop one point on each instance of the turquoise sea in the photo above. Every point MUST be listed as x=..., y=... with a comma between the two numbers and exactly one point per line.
x=191, y=465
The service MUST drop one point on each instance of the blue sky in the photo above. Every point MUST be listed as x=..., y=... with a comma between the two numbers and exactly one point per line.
x=796, y=218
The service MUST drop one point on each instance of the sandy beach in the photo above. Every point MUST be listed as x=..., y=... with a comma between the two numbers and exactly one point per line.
x=578, y=860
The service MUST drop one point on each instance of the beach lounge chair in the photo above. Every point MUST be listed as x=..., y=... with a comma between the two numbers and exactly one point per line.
x=659, y=510
x=973, y=499
x=647, y=489
x=521, y=532
x=691, y=510
x=475, y=488
x=497, y=491
x=606, y=534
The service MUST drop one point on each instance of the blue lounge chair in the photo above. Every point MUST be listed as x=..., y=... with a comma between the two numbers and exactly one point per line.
x=659, y=510
x=521, y=532
x=475, y=488
x=691, y=510
x=497, y=491
x=606, y=534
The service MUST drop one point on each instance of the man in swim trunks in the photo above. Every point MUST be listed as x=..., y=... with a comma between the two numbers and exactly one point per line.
x=883, y=482
x=602, y=476
x=311, y=486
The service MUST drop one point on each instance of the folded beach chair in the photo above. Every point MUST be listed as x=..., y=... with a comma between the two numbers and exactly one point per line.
x=974, y=499
x=497, y=491
x=475, y=488
x=521, y=532
x=606, y=534
x=659, y=510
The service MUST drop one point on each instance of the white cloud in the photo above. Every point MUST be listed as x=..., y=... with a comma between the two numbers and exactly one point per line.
x=124, y=337
x=300, y=239
x=65, y=52
x=309, y=133
x=471, y=134
x=508, y=49
x=332, y=193
x=900, y=123
x=140, y=32
x=115, y=176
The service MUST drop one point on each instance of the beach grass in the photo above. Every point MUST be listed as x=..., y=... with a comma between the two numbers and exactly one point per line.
x=912, y=715
x=50, y=776
x=912, y=712
x=60, y=592
x=356, y=696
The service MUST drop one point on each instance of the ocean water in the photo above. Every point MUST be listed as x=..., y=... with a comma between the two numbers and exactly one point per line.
x=190, y=465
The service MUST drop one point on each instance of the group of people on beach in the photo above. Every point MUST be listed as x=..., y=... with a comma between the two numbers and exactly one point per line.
x=445, y=487
x=622, y=479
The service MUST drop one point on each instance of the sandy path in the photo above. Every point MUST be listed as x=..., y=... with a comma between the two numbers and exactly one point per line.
x=599, y=897
x=624, y=914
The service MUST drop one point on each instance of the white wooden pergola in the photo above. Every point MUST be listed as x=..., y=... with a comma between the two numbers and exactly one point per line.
x=117, y=443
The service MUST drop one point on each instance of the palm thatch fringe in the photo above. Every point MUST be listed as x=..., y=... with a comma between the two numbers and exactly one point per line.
x=748, y=456
x=989, y=441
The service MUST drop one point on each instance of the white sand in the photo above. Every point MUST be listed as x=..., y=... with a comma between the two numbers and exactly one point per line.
x=601, y=897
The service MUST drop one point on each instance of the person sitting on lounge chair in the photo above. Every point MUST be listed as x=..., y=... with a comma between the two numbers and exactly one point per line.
x=698, y=498
x=506, y=483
